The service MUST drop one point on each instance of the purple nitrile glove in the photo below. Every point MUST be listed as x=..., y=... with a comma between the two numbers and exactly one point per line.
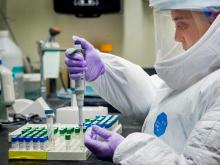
x=104, y=148
x=92, y=64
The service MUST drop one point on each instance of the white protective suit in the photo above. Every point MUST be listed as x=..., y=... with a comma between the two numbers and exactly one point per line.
x=180, y=126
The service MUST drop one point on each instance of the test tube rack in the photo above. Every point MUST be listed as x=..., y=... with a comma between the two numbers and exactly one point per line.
x=31, y=141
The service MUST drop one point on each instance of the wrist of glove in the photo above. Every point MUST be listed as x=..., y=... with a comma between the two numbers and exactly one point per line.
x=102, y=142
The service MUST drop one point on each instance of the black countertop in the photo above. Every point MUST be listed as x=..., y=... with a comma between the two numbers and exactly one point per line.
x=128, y=125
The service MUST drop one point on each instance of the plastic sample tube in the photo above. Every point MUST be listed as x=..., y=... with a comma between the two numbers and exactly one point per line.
x=14, y=143
x=28, y=142
x=49, y=119
x=43, y=144
x=68, y=142
x=21, y=143
x=76, y=136
x=62, y=132
x=79, y=138
x=55, y=131
x=36, y=143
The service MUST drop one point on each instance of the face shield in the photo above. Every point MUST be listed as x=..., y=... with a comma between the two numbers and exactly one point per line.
x=177, y=30
x=187, y=40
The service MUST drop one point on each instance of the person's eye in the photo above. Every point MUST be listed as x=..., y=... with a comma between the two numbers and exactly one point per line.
x=181, y=26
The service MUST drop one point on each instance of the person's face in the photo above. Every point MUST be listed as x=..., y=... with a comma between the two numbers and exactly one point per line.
x=190, y=26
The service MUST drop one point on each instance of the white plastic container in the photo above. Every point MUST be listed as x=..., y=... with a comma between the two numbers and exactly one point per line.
x=7, y=85
x=13, y=60
x=51, y=61
x=12, y=57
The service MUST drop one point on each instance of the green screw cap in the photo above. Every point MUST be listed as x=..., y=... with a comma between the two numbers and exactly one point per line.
x=69, y=131
x=23, y=131
x=55, y=130
x=62, y=131
x=67, y=137
x=87, y=120
x=92, y=120
x=77, y=130
x=72, y=129
x=84, y=129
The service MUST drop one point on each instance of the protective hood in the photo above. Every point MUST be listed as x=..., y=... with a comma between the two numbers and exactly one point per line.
x=183, y=4
x=180, y=72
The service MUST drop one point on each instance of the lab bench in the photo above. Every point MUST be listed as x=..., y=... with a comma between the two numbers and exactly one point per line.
x=129, y=126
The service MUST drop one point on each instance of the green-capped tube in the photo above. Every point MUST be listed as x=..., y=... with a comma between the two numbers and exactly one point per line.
x=29, y=128
x=23, y=131
x=84, y=129
x=72, y=129
x=87, y=120
x=77, y=130
x=68, y=141
x=62, y=131
x=55, y=130
x=69, y=131
x=68, y=137
x=92, y=120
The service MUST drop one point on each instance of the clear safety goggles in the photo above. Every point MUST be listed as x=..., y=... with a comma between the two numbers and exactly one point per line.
x=177, y=30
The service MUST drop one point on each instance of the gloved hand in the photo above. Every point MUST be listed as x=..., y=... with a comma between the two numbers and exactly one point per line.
x=92, y=64
x=104, y=148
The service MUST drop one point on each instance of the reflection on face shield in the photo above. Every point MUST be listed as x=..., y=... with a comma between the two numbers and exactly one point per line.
x=178, y=30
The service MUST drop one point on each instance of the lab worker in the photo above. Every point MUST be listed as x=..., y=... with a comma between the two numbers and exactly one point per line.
x=179, y=107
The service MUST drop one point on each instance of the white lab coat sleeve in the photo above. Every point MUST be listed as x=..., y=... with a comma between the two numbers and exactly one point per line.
x=202, y=147
x=126, y=86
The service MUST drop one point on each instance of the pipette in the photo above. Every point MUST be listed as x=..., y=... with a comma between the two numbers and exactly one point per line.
x=79, y=84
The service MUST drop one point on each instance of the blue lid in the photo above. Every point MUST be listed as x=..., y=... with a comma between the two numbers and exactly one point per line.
x=97, y=116
x=48, y=111
x=108, y=116
x=101, y=124
x=87, y=124
x=42, y=139
x=95, y=122
x=14, y=139
x=20, y=138
x=18, y=69
x=35, y=139
x=108, y=124
x=28, y=139
x=46, y=137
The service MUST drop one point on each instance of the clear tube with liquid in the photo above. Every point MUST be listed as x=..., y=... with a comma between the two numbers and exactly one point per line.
x=50, y=127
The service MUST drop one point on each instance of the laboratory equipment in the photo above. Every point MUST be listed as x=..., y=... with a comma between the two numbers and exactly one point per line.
x=79, y=94
x=69, y=115
x=67, y=139
x=26, y=107
x=7, y=96
x=44, y=47
x=12, y=58
x=32, y=85
x=80, y=83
